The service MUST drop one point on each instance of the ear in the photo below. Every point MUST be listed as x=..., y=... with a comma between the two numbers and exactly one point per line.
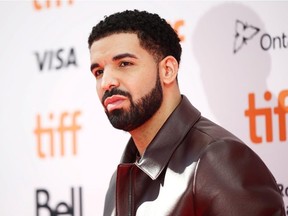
x=168, y=69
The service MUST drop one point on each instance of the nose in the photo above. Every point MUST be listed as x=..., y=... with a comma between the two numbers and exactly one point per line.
x=109, y=80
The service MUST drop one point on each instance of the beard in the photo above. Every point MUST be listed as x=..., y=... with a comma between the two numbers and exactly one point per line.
x=139, y=112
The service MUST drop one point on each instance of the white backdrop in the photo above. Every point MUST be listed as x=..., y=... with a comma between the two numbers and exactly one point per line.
x=58, y=150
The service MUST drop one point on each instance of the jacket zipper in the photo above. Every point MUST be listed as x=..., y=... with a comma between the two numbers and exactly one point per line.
x=130, y=197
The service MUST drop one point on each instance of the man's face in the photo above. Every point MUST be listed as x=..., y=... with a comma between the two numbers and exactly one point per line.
x=127, y=80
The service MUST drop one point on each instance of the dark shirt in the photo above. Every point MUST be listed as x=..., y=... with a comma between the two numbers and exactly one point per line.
x=192, y=167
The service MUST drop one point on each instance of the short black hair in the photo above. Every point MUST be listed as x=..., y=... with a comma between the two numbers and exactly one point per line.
x=154, y=33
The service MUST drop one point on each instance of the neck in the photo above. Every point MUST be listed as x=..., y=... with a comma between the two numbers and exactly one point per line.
x=143, y=135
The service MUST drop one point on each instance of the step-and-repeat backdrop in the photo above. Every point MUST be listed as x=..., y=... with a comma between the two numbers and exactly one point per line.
x=58, y=150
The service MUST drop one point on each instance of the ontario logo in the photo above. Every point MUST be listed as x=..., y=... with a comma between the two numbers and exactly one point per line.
x=243, y=33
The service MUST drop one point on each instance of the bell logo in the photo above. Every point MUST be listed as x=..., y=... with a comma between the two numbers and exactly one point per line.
x=51, y=132
x=46, y=4
x=267, y=112
x=72, y=207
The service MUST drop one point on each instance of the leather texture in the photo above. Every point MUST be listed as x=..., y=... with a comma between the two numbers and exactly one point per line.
x=193, y=167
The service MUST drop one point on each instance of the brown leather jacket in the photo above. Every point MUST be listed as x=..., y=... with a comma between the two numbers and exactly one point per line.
x=192, y=167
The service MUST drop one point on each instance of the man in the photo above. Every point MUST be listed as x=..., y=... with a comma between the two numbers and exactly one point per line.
x=176, y=162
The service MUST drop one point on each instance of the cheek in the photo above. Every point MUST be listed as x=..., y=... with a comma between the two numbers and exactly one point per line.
x=98, y=91
x=144, y=87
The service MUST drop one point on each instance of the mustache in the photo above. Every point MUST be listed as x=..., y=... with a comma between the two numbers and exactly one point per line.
x=114, y=91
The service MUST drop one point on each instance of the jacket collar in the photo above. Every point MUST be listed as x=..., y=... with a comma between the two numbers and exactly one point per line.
x=160, y=150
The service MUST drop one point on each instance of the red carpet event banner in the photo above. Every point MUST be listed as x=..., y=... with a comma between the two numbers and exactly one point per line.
x=57, y=148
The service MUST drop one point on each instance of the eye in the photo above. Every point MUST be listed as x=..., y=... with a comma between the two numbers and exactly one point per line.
x=125, y=64
x=98, y=73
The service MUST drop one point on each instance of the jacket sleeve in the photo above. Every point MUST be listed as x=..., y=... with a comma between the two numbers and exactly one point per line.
x=231, y=180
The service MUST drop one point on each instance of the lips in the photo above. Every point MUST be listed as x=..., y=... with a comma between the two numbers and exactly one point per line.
x=114, y=102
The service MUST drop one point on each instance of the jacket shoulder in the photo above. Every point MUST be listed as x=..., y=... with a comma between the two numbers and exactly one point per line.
x=231, y=179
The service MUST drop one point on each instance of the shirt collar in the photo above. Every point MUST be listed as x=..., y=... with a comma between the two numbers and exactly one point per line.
x=171, y=134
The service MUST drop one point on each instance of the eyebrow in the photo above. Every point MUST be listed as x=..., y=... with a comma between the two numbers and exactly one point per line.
x=94, y=65
x=124, y=55
x=115, y=58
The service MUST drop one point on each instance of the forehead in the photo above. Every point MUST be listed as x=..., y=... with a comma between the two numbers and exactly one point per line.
x=115, y=44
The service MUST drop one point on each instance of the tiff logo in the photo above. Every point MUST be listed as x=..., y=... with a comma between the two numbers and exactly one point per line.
x=243, y=33
x=177, y=25
x=72, y=207
x=50, y=132
x=267, y=113
x=46, y=4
